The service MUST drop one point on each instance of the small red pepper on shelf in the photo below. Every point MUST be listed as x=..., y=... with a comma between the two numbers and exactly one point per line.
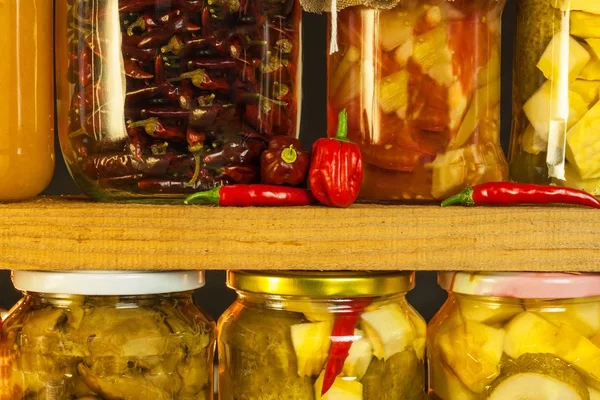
x=336, y=169
x=253, y=196
x=343, y=331
x=284, y=162
x=508, y=193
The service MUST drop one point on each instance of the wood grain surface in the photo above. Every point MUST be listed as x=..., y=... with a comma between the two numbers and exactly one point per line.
x=75, y=234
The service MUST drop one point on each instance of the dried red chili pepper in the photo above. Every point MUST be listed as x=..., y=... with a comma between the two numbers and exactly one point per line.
x=253, y=196
x=284, y=162
x=341, y=337
x=336, y=169
x=508, y=193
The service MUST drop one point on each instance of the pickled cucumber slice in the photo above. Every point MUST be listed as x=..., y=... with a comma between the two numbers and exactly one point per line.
x=342, y=389
x=583, y=144
x=399, y=378
x=539, y=377
x=311, y=343
x=585, y=25
x=473, y=351
x=529, y=333
x=550, y=62
x=359, y=357
x=587, y=89
x=389, y=329
x=540, y=109
x=584, y=318
x=446, y=384
x=488, y=313
x=532, y=142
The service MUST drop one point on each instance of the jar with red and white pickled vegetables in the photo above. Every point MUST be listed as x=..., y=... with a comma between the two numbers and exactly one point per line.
x=312, y=336
x=503, y=336
x=158, y=99
x=556, y=80
x=421, y=84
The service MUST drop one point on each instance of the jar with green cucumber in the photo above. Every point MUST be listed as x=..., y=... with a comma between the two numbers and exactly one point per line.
x=506, y=336
x=321, y=336
x=556, y=108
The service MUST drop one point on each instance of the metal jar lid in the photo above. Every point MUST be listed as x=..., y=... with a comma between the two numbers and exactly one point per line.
x=322, y=284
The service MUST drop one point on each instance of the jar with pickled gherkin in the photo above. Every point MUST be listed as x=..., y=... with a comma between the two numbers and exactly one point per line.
x=555, y=98
x=420, y=80
x=159, y=99
x=506, y=336
x=107, y=335
x=333, y=336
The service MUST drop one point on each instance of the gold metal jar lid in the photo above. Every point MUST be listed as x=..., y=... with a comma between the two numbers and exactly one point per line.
x=322, y=284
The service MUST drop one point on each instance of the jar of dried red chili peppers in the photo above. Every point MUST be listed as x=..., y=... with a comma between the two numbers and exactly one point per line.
x=309, y=336
x=157, y=99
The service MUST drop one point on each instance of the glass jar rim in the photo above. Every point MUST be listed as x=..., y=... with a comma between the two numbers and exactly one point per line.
x=107, y=283
x=321, y=283
x=522, y=285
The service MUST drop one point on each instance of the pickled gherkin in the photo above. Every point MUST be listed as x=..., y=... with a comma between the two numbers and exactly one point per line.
x=555, y=102
x=100, y=347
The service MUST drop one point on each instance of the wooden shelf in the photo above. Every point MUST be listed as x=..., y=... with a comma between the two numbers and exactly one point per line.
x=70, y=234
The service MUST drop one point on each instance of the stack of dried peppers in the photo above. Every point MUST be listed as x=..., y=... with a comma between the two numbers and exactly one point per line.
x=208, y=83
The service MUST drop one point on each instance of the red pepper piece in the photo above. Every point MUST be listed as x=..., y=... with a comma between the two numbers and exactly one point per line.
x=133, y=70
x=253, y=196
x=284, y=162
x=241, y=174
x=336, y=169
x=508, y=194
x=343, y=330
x=86, y=69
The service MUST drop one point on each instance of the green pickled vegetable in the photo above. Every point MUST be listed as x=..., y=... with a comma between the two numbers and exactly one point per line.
x=400, y=377
x=98, y=348
x=538, y=22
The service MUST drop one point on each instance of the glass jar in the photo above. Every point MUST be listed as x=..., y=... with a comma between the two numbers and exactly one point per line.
x=27, y=99
x=421, y=84
x=107, y=335
x=161, y=99
x=294, y=336
x=555, y=99
x=516, y=336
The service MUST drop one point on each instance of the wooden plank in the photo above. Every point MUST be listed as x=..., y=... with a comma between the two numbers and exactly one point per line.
x=73, y=234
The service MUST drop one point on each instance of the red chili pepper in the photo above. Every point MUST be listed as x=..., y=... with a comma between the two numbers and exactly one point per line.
x=284, y=162
x=253, y=196
x=336, y=169
x=507, y=193
x=341, y=336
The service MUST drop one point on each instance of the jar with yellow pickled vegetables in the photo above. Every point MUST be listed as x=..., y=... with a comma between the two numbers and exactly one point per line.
x=555, y=101
x=26, y=98
x=503, y=336
x=107, y=335
x=420, y=80
x=310, y=336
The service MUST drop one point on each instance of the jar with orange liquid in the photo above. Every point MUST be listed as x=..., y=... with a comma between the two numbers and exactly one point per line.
x=26, y=98
x=421, y=84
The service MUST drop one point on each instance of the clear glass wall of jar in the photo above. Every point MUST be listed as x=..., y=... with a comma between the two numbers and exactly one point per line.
x=421, y=84
x=27, y=99
x=555, y=100
x=295, y=335
x=161, y=99
x=516, y=336
x=107, y=336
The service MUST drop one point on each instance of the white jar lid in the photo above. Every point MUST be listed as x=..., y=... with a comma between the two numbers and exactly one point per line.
x=107, y=283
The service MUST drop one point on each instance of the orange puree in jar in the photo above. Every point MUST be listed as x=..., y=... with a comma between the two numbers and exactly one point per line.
x=26, y=98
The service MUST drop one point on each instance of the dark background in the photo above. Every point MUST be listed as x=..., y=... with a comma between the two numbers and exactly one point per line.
x=427, y=297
